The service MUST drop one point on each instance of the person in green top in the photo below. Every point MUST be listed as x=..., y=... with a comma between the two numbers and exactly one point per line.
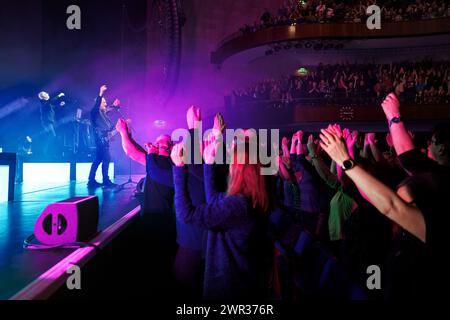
x=342, y=204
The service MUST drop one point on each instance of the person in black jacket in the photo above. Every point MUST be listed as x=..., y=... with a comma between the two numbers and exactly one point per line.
x=48, y=120
x=155, y=231
x=102, y=127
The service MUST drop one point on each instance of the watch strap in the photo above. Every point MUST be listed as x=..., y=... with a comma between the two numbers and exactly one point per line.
x=395, y=120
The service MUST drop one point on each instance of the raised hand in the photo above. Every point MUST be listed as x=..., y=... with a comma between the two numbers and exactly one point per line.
x=318, y=148
x=294, y=139
x=299, y=136
x=336, y=129
x=391, y=106
x=285, y=146
x=355, y=134
x=193, y=117
x=311, y=145
x=103, y=89
x=177, y=155
x=122, y=126
x=334, y=146
x=369, y=138
x=210, y=148
x=350, y=138
x=345, y=133
x=219, y=122
x=296, y=144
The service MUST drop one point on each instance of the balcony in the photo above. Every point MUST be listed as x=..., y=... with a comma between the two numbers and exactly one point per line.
x=240, y=42
x=313, y=111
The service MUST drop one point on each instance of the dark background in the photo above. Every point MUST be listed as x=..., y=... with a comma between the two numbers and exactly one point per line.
x=38, y=52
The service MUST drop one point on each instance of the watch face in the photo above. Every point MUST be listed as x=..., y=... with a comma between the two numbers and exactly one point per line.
x=348, y=164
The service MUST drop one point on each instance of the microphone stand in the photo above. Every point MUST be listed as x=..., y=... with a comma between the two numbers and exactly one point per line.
x=122, y=67
x=130, y=179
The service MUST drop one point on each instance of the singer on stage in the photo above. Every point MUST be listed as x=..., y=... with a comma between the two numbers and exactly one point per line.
x=102, y=126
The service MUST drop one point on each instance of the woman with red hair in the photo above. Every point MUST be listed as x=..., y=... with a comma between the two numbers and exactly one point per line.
x=238, y=249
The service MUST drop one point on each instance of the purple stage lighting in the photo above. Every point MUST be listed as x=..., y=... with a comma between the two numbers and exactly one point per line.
x=159, y=123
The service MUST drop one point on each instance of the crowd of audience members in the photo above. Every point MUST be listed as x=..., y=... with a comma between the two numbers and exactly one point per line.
x=338, y=204
x=424, y=82
x=348, y=11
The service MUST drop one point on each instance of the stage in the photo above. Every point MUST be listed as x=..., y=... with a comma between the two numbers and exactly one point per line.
x=38, y=274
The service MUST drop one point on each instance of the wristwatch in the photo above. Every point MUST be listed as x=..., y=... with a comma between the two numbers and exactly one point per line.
x=395, y=120
x=348, y=164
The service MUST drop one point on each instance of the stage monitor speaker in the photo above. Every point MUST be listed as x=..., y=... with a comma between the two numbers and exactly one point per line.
x=69, y=221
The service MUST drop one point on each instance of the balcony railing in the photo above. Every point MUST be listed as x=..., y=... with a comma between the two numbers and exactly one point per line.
x=358, y=100
x=239, y=42
x=355, y=109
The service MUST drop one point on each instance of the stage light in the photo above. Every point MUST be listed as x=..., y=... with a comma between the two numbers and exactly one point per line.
x=44, y=96
x=308, y=45
x=159, y=123
x=46, y=172
x=298, y=45
x=28, y=145
x=12, y=107
x=4, y=183
x=277, y=48
x=79, y=114
x=24, y=145
x=287, y=46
